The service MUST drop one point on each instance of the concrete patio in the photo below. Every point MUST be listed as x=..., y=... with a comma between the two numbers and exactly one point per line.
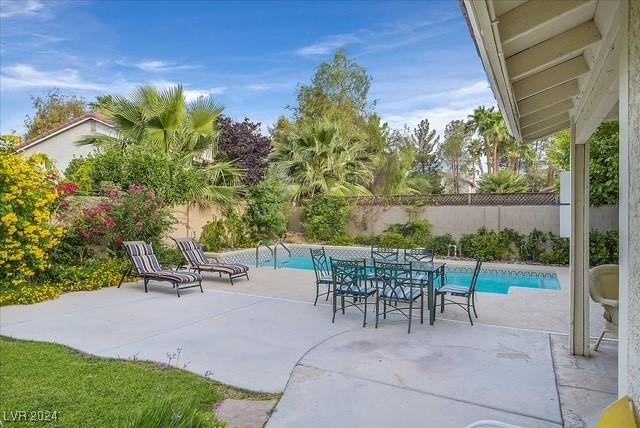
x=265, y=335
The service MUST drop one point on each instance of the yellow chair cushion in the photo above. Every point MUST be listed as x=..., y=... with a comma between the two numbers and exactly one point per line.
x=618, y=415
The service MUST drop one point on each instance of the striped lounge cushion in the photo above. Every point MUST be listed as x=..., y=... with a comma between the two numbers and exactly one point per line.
x=142, y=257
x=454, y=289
x=401, y=293
x=192, y=251
x=169, y=275
x=230, y=268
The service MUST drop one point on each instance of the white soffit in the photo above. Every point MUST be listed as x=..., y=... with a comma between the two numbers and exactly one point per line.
x=547, y=61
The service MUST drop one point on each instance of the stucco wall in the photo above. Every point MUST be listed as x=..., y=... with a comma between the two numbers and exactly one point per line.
x=191, y=220
x=61, y=148
x=459, y=220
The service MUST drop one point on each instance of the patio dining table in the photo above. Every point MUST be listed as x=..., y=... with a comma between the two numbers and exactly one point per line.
x=426, y=273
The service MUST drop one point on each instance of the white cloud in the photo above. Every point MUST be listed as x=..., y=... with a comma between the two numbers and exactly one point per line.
x=21, y=76
x=259, y=87
x=444, y=106
x=329, y=45
x=155, y=66
x=12, y=8
x=191, y=94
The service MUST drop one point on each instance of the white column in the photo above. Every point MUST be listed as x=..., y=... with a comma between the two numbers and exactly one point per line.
x=579, y=257
x=629, y=329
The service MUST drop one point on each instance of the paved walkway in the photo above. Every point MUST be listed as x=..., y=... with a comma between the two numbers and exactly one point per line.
x=265, y=335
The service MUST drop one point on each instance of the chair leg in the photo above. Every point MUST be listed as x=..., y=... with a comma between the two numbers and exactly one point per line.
x=342, y=303
x=328, y=291
x=421, y=308
x=230, y=278
x=364, y=323
x=469, y=309
x=146, y=281
x=384, y=309
x=410, y=316
x=200, y=283
x=124, y=275
x=177, y=289
x=335, y=306
x=441, y=303
x=595, y=348
x=317, y=293
x=473, y=302
x=377, y=310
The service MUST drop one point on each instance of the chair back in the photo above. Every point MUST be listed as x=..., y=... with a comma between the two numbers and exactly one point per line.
x=418, y=255
x=142, y=257
x=381, y=253
x=349, y=274
x=619, y=414
x=474, y=277
x=192, y=251
x=396, y=278
x=604, y=282
x=320, y=263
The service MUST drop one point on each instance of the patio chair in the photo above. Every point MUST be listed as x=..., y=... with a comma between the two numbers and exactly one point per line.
x=197, y=260
x=350, y=280
x=322, y=271
x=386, y=254
x=467, y=292
x=397, y=287
x=148, y=268
x=418, y=255
x=603, y=288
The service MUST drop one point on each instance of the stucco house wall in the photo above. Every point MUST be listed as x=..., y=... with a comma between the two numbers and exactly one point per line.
x=62, y=148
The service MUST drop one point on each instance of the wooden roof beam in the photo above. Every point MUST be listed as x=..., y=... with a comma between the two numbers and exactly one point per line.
x=549, y=97
x=552, y=51
x=550, y=77
x=546, y=132
x=543, y=114
x=547, y=123
x=534, y=14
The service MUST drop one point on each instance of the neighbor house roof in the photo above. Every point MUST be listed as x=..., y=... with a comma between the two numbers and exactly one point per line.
x=63, y=127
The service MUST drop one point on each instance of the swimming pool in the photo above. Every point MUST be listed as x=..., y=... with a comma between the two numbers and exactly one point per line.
x=489, y=281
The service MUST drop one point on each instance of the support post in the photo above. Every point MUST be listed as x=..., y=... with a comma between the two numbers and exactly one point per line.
x=629, y=211
x=579, y=256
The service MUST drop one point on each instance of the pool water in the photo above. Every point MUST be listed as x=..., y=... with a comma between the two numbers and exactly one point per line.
x=493, y=281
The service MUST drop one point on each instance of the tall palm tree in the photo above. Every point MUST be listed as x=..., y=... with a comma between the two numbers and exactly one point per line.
x=503, y=182
x=489, y=124
x=315, y=159
x=163, y=120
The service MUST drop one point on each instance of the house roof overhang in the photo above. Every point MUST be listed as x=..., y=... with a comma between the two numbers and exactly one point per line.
x=549, y=61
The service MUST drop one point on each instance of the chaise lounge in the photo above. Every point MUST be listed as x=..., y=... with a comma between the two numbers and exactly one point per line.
x=197, y=260
x=148, y=268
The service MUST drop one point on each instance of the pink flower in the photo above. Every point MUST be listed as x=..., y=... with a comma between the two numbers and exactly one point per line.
x=86, y=234
x=110, y=223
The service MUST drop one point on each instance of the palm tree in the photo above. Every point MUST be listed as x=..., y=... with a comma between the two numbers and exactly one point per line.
x=163, y=120
x=503, y=182
x=489, y=124
x=315, y=159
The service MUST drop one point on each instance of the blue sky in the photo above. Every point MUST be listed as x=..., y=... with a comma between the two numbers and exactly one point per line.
x=250, y=55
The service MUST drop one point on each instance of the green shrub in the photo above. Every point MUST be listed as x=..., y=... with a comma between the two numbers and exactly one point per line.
x=559, y=253
x=167, y=414
x=213, y=236
x=511, y=244
x=81, y=171
x=326, y=217
x=440, y=244
x=603, y=247
x=266, y=217
x=394, y=240
x=343, y=240
x=418, y=232
x=365, y=240
x=534, y=246
x=228, y=232
x=484, y=243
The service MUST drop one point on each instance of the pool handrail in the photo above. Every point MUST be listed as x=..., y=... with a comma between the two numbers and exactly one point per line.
x=275, y=254
x=264, y=243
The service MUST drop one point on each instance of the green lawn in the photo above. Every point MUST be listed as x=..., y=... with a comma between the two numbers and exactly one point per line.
x=87, y=391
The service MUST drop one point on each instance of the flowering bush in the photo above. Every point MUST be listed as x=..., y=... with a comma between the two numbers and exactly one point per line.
x=27, y=200
x=61, y=279
x=135, y=215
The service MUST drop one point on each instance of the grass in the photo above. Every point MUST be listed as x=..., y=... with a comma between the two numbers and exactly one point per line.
x=90, y=391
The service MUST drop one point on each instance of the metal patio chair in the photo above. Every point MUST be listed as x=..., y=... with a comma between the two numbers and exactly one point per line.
x=418, y=255
x=464, y=291
x=350, y=281
x=397, y=287
x=322, y=271
x=386, y=254
x=147, y=266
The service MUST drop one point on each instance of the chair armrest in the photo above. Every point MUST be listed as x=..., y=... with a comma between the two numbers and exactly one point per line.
x=609, y=302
